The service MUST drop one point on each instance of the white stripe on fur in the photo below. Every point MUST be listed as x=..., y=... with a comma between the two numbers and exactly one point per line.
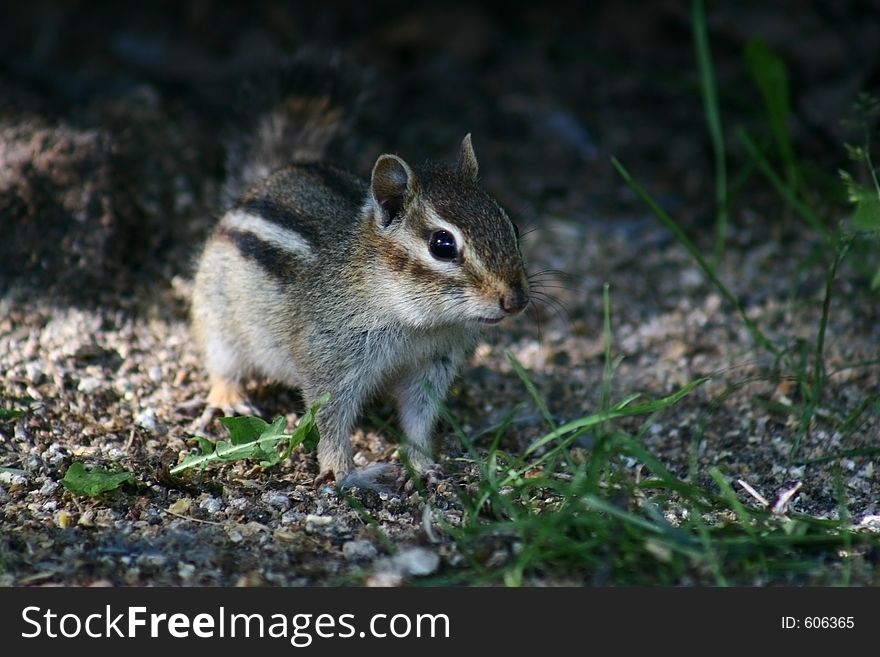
x=266, y=231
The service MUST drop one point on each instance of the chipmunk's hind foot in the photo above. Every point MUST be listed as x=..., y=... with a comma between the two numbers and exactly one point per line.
x=225, y=399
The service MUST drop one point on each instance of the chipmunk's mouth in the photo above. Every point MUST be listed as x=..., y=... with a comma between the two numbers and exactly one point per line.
x=490, y=320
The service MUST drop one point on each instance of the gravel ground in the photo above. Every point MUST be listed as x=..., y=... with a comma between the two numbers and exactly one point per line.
x=107, y=201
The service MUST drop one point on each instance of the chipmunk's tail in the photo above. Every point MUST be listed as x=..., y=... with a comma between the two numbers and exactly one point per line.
x=294, y=111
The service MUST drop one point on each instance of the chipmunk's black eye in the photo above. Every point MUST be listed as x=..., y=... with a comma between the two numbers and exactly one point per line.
x=442, y=245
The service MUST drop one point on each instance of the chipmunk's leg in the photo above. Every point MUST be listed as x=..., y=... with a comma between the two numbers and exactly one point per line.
x=419, y=393
x=335, y=422
x=229, y=396
x=227, y=373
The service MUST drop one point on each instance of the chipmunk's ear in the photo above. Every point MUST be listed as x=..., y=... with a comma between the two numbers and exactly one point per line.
x=467, y=160
x=392, y=183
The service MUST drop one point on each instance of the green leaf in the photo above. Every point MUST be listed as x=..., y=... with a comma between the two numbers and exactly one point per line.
x=867, y=201
x=263, y=448
x=247, y=428
x=10, y=413
x=205, y=445
x=253, y=438
x=867, y=213
x=95, y=481
x=307, y=430
x=310, y=440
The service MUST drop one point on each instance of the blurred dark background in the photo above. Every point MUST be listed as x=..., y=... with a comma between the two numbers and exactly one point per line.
x=111, y=164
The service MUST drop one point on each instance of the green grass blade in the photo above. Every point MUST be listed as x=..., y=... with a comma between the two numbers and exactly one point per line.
x=10, y=414
x=730, y=497
x=710, y=553
x=770, y=74
x=819, y=375
x=713, y=119
x=623, y=408
x=845, y=520
x=604, y=506
x=788, y=194
x=532, y=390
x=608, y=368
x=708, y=270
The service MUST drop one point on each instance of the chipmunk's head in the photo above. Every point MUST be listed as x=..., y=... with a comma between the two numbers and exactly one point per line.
x=447, y=251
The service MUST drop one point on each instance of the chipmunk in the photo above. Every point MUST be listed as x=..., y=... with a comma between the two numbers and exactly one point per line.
x=327, y=283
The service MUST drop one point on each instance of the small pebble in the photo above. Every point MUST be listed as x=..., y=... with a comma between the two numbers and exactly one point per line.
x=871, y=523
x=63, y=519
x=315, y=524
x=180, y=507
x=48, y=487
x=238, y=504
x=360, y=550
x=277, y=501
x=291, y=517
x=34, y=371
x=385, y=579
x=88, y=384
x=146, y=419
x=55, y=454
x=185, y=570
x=155, y=560
x=416, y=562
x=211, y=505
x=318, y=520
x=21, y=433
x=87, y=519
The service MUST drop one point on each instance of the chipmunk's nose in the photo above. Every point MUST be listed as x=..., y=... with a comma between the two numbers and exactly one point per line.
x=514, y=300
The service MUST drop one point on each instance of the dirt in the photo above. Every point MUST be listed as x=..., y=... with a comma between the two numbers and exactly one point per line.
x=111, y=174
